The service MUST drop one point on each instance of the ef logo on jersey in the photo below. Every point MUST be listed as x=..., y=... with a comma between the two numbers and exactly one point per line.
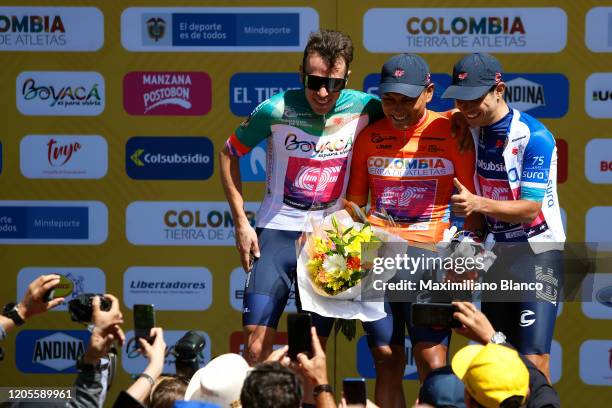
x=526, y=319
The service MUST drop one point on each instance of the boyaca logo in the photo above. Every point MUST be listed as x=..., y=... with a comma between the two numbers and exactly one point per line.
x=66, y=95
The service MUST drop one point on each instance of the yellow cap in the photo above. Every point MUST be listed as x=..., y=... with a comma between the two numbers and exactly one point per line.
x=491, y=373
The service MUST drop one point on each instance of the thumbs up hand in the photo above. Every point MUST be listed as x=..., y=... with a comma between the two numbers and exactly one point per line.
x=463, y=203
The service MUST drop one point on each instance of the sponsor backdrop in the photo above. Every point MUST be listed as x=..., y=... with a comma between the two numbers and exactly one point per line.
x=113, y=113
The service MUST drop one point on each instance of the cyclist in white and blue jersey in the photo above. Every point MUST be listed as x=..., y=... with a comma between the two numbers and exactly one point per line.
x=516, y=180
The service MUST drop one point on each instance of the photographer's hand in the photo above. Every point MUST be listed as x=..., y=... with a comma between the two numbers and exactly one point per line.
x=280, y=355
x=33, y=302
x=106, y=330
x=155, y=353
x=476, y=326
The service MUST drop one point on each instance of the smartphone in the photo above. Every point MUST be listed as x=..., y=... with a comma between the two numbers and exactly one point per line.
x=63, y=289
x=144, y=321
x=298, y=333
x=354, y=390
x=433, y=315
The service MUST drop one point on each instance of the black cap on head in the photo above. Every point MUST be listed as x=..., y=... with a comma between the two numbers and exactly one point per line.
x=473, y=76
x=406, y=74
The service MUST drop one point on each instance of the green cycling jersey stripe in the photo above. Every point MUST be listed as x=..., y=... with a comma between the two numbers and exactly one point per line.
x=291, y=108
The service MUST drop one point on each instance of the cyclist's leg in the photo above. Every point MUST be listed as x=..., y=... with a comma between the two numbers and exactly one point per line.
x=266, y=291
x=429, y=345
x=386, y=341
x=535, y=317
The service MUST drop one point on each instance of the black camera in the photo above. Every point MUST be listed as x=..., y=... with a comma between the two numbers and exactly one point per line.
x=81, y=308
x=187, y=351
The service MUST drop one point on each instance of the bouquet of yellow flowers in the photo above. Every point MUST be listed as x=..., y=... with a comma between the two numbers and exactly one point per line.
x=335, y=263
x=335, y=259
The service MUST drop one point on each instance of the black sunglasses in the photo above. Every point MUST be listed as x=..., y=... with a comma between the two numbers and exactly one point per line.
x=314, y=83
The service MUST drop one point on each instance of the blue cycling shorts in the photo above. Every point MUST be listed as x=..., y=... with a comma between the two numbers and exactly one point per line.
x=391, y=329
x=269, y=282
x=528, y=323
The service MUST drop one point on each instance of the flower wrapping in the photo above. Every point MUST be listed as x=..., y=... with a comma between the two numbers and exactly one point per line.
x=333, y=260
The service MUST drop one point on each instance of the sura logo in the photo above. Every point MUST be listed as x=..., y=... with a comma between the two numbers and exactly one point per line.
x=66, y=95
x=31, y=24
x=58, y=154
x=58, y=351
x=602, y=96
x=462, y=25
x=524, y=95
x=490, y=166
x=174, y=90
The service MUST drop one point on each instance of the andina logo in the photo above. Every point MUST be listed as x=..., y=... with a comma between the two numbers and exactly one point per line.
x=173, y=89
x=524, y=94
x=31, y=24
x=462, y=25
x=66, y=95
x=58, y=154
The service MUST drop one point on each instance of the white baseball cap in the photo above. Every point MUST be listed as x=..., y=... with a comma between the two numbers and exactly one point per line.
x=220, y=381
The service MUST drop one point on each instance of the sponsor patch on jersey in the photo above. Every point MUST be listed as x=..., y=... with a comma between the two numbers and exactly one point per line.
x=313, y=184
x=406, y=201
x=410, y=167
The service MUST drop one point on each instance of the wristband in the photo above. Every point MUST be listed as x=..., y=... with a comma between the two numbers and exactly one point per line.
x=148, y=378
x=321, y=388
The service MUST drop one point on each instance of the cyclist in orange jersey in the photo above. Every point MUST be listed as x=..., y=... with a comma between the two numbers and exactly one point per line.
x=407, y=162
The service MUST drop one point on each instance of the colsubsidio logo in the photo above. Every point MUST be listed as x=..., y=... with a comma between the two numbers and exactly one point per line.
x=49, y=351
x=169, y=158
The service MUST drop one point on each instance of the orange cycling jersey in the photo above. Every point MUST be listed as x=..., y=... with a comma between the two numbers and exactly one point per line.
x=409, y=174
